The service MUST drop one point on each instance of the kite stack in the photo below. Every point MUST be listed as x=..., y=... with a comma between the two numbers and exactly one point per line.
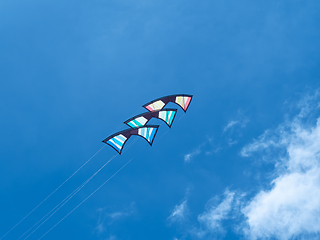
x=139, y=125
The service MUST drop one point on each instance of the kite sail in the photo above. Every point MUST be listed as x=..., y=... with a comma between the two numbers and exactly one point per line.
x=118, y=139
x=183, y=100
x=166, y=114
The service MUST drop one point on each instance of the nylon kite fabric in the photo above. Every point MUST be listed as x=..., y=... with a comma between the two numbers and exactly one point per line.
x=166, y=114
x=183, y=100
x=138, y=123
x=118, y=140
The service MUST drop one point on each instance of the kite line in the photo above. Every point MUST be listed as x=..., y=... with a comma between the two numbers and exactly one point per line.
x=52, y=193
x=89, y=196
x=69, y=197
x=64, y=201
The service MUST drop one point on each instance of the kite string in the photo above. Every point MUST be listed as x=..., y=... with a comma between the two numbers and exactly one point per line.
x=51, y=193
x=86, y=198
x=91, y=194
x=47, y=214
x=64, y=201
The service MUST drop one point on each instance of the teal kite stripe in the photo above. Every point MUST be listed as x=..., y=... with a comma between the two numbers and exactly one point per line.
x=147, y=134
x=111, y=143
x=171, y=117
x=117, y=141
x=137, y=123
x=152, y=134
x=131, y=124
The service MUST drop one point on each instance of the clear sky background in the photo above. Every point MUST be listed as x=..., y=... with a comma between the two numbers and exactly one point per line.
x=242, y=163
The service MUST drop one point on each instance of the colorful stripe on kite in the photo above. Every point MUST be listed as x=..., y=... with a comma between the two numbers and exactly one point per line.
x=183, y=101
x=148, y=133
x=157, y=105
x=167, y=116
x=117, y=142
x=138, y=122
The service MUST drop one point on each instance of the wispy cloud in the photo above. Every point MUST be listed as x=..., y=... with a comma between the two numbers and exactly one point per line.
x=189, y=156
x=206, y=147
x=234, y=127
x=291, y=208
x=180, y=211
x=122, y=214
x=211, y=219
x=209, y=223
x=240, y=120
x=230, y=125
x=107, y=218
x=265, y=141
x=112, y=237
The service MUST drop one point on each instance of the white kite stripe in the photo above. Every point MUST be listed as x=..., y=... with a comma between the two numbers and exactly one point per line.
x=121, y=138
x=115, y=143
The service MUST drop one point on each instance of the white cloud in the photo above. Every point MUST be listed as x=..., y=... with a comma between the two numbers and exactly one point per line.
x=118, y=215
x=233, y=129
x=105, y=218
x=230, y=125
x=208, y=224
x=265, y=141
x=213, y=216
x=206, y=147
x=112, y=237
x=211, y=221
x=189, y=156
x=100, y=228
x=241, y=120
x=179, y=212
x=291, y=207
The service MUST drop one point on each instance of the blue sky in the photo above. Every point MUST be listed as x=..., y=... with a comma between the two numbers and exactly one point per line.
x=242, y=163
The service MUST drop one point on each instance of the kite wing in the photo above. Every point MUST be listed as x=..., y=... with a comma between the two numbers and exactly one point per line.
x=166, y=114
x=183, y=100
x=118, y=139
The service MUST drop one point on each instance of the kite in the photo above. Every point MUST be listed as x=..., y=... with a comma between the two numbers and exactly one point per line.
x=118, y=139
x=166, y=114
x=138, y=123
x=183, y=100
